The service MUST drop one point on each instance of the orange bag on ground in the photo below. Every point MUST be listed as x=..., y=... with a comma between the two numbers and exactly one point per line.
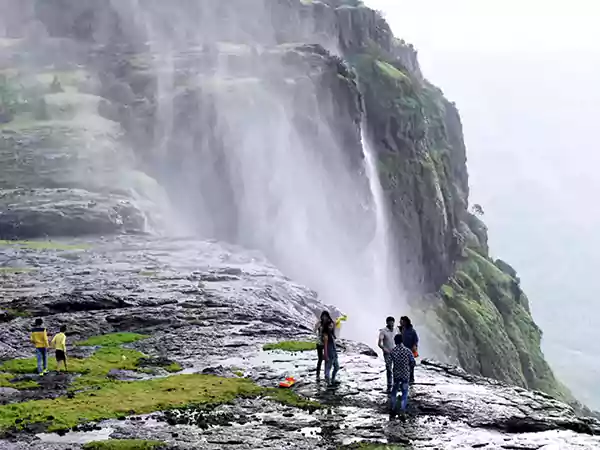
x=289, y=382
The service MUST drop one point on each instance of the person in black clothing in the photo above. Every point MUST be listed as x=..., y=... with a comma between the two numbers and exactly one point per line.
x=320, y=345
x=327, y=333
x=410, y=339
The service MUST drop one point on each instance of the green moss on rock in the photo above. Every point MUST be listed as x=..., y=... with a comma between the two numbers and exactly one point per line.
x=124, y=444
x=487, y=315
x=6, y=380
x=116, y=399
x=113, y=339
x=291, y=346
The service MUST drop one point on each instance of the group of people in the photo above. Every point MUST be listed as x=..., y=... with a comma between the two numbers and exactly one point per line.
x=39, y=338
x=400, y=348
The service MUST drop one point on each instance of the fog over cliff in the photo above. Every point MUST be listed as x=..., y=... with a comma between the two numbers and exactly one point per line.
x=523, y=76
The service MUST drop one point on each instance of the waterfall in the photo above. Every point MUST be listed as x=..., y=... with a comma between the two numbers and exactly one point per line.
x=252, y=149
x=386, y=278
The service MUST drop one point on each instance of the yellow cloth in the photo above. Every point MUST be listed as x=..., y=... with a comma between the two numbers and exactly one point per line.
x=60, y=342
x=39, y=338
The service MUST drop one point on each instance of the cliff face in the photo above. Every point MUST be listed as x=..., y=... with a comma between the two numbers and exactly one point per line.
x=472, y=305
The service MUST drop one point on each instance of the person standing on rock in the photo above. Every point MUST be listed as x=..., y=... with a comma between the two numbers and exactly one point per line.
x=403, y=364
x=327, y=331
x=320, y=346
x=386, y=344
x=410, y=339
x=39, y=338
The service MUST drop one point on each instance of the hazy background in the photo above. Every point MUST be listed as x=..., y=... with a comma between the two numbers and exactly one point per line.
x=524, y=75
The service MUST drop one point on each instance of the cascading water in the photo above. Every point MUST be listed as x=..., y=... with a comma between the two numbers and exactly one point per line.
x=251, y=151
x=386, y=279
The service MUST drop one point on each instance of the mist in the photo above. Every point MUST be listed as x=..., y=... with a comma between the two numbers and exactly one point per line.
x=524, y=77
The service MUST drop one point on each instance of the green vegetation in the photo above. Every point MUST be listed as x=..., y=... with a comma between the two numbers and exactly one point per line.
x=116, y=399
x=6, y=381
x=291, y=346
x=124, y=444
x=94, y=396
x=173, y=368
x=93, y=370
x=18, y=313
x=45, y=245
x=113, y=339
x=391, y=71
x=488, y=316
x=290, y=398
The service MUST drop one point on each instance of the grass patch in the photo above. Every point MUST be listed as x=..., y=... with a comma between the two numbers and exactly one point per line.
x=124, y=444
x=173, y=368
x=290, y=398
x=124, y=398
x=93, y=370
x=291, y=346
x=5, y=381
x=93, y=396
x=112, y=339
x=45, y=245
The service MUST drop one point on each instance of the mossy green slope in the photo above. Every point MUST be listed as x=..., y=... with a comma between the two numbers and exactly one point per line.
x=487, y=314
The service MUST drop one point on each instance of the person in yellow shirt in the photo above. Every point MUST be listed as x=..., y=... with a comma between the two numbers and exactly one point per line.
x=39, y=338
x=59, y=343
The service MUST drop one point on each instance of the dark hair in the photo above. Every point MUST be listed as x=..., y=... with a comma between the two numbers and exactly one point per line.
x=38, y=322
x=63, y=328
x=390, y=319
x=326, y=320
x=406, y=321
x=324, y=315
x=398, y=339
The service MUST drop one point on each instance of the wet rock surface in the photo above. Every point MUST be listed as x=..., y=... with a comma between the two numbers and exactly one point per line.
x=211, y=308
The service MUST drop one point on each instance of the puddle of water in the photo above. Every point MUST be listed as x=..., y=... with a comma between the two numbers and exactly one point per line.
x=76, y=437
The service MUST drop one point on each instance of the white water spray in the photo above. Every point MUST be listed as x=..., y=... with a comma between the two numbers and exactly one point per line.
x=386, y=280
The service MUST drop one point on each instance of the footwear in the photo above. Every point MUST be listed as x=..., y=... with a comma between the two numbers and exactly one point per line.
x=392, y=415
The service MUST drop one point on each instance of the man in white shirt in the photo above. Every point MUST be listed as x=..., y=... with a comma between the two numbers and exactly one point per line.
x=386, y=344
